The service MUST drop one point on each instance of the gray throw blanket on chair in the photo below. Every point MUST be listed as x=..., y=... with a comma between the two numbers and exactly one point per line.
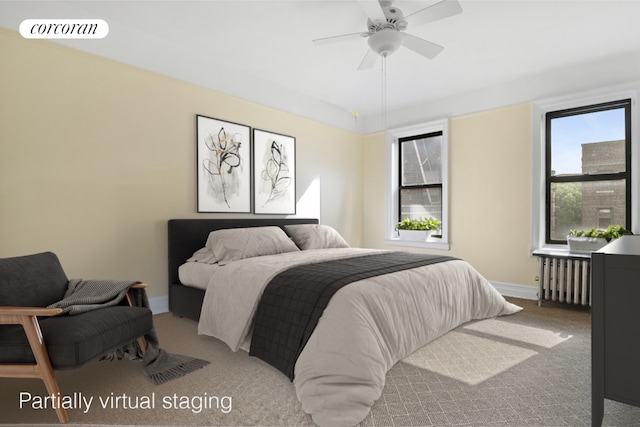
x=158, y=365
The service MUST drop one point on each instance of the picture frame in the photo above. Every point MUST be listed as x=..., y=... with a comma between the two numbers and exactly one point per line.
x=274, y=173
x=223, y=166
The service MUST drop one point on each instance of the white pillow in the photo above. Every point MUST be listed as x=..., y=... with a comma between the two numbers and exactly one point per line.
x=233, y=244
x=315, y=236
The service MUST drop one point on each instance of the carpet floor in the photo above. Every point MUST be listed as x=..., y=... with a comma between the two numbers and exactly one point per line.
x=529, y=369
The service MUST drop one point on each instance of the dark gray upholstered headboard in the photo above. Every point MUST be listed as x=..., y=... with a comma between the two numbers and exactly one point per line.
x=187, y=236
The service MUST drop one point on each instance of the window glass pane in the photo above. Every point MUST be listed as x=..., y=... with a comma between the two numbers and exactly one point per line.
x=421, y=161
x=417, y=203
x=586, y=205
x=588, y=143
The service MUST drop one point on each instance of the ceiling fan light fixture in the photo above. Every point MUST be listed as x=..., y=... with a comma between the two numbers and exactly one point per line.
x=386, y=41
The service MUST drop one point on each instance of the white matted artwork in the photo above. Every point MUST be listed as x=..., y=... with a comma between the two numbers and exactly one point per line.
x=224, y=165
x=274, y=173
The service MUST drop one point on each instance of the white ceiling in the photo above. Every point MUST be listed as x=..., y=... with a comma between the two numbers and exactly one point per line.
x=262, y=50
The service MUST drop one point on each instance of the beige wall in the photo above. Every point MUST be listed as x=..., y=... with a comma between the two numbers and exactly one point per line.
x=96, y=156
x=490, y=182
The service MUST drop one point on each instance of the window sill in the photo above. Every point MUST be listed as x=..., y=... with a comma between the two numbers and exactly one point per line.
x=431, y=244
x=560, y=251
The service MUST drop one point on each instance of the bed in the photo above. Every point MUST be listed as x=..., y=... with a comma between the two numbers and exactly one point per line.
x=248, y=274
x=186, y=236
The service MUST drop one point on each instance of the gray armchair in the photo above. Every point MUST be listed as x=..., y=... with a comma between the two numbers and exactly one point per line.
x=35, y=340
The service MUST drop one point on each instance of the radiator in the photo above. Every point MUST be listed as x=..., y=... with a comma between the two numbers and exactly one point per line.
x=564, y=280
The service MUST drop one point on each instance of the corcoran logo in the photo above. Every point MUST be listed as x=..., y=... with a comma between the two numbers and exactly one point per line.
x=64, y=29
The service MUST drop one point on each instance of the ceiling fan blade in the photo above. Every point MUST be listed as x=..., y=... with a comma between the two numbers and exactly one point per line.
x=373, y=10
x=421, y=46
x=335, y=39
x=435, y=12
x=368, y=61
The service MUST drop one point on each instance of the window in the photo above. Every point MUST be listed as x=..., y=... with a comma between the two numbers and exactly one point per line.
x=417, y=179
x=420, y=177
x=587, y=168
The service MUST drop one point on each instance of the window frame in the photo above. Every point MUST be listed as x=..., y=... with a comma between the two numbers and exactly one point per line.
x=393, y=137
x=550, y=179
x=539, y=196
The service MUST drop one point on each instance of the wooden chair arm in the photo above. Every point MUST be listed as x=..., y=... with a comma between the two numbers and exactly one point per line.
x=12, y=315
x=29, y=311
x=138, y=286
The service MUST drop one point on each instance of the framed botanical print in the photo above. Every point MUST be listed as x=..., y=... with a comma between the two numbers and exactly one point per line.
x=223, y=165
x=274, y=173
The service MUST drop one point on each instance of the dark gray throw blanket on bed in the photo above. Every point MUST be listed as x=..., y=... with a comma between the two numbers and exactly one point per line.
x=158, y=365
x=294, y=300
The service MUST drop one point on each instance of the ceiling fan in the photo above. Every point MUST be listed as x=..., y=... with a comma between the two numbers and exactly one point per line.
x=386, y=29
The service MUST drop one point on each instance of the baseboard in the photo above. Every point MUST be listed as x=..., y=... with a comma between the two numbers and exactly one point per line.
x=516, y=291
x=159, y=304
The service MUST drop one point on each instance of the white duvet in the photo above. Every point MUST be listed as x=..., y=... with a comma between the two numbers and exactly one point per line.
x=367, y=327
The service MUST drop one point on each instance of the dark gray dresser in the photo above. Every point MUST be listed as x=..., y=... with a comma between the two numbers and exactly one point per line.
x=615, y=324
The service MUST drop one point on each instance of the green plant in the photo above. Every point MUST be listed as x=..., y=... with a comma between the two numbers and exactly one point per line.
x=611, y=232
x=418, y=224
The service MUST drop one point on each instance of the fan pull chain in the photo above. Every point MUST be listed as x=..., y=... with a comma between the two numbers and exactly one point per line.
x=384, y=93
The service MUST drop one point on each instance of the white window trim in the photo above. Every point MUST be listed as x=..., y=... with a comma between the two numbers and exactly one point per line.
x=392, y=199
x=538, y=127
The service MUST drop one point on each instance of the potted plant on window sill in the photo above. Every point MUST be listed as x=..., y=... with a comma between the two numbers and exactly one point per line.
x=587, y=241
x=417, y=230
